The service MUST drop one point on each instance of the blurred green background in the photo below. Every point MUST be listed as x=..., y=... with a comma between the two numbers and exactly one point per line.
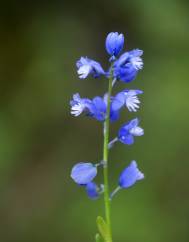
x=40, y=141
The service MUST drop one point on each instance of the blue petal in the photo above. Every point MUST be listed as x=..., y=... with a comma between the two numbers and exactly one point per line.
x=123, y=59
x=99, y=108
x=130, y=175
x=92, y=190
x=118, y=101
x=127, y=139
x=131, y=124
x=82, y=61
x=99, y=104
x=83, y=173
x=126, y=74
x=135, y=92
x=114, y=115
x=97, y=69
x=135, y=53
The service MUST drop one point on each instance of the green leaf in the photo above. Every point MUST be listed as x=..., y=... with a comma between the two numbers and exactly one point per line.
x=103, y=229
x=98, y=238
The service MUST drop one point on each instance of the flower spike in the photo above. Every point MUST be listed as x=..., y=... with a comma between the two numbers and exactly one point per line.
x=106, y=109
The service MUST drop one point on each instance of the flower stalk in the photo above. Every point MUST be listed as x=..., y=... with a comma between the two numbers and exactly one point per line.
x=105, y=157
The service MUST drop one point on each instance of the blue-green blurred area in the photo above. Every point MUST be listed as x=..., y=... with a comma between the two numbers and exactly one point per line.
x=40, y=141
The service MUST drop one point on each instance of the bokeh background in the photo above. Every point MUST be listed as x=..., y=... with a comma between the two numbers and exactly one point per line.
x=40, y=141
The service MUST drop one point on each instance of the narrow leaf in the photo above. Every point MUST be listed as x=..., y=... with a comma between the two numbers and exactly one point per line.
x=98, y=238
x=103, y=229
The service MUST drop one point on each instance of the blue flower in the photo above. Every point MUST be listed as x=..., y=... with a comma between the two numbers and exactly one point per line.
x=128, y=65
x=80, y=105
x=130, y=175
x=87, y=66
x=99, y=108
x=95, y=108
x=114, y=44
x=129, y=130
x=128, y=98
x=114, y=114
x=92, y=190
x=83, y=173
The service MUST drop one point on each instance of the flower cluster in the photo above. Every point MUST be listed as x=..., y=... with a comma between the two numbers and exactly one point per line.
x=122, y=68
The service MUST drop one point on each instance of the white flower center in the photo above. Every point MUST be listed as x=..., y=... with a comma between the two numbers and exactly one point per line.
x=84, y=71
x=137, y=62
x=77, y=109
x=132, y=101
x=136, y=131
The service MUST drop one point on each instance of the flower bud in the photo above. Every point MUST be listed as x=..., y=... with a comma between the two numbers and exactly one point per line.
x=130, y=175
x=114, y=43
x=83, y=173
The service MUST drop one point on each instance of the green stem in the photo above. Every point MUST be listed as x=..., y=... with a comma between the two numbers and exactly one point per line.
x=105, y=158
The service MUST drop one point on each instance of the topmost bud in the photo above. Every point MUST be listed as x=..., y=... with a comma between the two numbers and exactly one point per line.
x=114, y=44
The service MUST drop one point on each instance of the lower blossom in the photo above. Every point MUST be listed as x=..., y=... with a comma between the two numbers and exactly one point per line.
x=129, y=130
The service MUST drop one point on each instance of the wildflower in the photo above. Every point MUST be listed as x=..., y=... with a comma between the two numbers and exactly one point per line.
x=129, y=130
x=99, y=108
x=79, y=105
x=87, y=66
x=83, y=173
x=128, y=65
x=128, y=98
x=92, y=190
x=114, y=44
x=105, y=109
x=130, y=175
x=95, y=108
